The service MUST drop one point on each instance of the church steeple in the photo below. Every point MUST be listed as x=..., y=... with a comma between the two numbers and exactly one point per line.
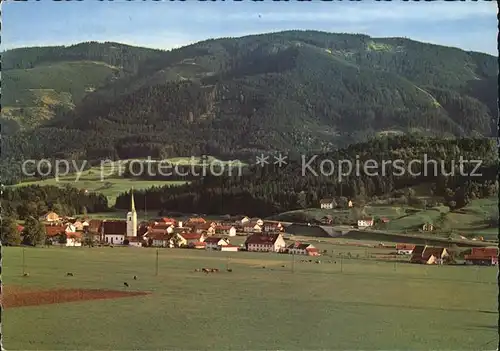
x=132, y=217
x=132, y=203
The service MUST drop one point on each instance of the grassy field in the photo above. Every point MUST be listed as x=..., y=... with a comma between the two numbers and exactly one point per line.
x=471, y=221
x=106, y=179
x=357, y=305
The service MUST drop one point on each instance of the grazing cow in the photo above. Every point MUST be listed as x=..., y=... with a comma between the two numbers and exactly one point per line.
x=135, y=277
x=283, y=266
x=205, y=270
x=215, y=270
x=197, y=270
x=26, y=275
x=69, y=274
x=126, y=284
x=229, y=270
x=264, y=267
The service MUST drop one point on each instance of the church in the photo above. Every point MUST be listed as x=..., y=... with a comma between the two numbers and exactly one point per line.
x=132, y=218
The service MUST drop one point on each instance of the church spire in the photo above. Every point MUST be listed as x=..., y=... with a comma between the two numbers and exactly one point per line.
x=132, y=203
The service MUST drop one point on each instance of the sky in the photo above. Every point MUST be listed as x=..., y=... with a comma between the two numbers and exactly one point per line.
x=170, y=24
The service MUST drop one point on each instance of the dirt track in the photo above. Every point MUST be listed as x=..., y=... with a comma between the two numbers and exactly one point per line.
x=18, y=297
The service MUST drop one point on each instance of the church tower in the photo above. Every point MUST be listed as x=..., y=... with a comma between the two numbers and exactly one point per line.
x=132, y=217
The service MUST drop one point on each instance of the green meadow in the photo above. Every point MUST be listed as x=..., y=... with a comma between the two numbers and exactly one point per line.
x=106, y=179
x=359, y=304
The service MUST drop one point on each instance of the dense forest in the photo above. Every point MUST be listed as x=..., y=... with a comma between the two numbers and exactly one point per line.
x=34, y=201
x=293, y=91
x=262, y=191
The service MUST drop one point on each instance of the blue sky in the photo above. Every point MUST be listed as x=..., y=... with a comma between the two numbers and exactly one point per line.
x=165, y=25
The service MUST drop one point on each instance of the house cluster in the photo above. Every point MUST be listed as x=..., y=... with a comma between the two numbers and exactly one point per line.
x=329, y=203
x=430, y=255
x=487, y=256
x=440, y=255
x=66, y=231
x=196, y=232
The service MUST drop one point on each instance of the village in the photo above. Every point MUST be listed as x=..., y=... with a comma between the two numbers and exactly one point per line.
x=201, y=234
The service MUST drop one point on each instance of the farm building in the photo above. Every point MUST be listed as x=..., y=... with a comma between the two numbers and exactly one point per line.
x=430, y=255
x=158, y=238
x=252, y=227
x=50, y=216
x=55, y=233
x=404, y=249
x=215, y=243
x=483, y=256
x=326, y=204
x=113, y=232
x=272, y=227
x=226, y=230
x=265, y=242
x=428, y=227
x=73, y=239
x=365, y=222
x=207, y=228
x=192, y=238
x=298, y=248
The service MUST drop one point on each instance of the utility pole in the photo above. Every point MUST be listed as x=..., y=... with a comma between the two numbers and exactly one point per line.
x=156, y=262
x=227, y=263
x=293, y=262
x=24, y=271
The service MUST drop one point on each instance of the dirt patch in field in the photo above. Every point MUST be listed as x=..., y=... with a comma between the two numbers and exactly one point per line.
x=19, y=297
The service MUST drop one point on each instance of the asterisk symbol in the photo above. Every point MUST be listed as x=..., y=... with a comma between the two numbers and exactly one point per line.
x=262, y=160
x=280, y=160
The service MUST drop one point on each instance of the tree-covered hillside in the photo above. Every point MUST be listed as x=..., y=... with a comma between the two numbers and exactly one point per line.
x=294, y=91
x=262, y=191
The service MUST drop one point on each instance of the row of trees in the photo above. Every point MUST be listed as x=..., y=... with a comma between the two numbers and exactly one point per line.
x=33, y=233
x=34, y=201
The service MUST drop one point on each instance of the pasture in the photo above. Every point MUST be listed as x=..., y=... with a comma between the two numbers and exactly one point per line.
x=103, y=179
x=108, y=178
x=359, y=304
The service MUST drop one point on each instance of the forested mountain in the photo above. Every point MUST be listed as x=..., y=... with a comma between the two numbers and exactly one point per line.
x=293, y=91
x=262, y=191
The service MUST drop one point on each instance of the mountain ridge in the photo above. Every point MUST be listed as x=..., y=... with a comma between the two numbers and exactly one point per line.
x=290, y=91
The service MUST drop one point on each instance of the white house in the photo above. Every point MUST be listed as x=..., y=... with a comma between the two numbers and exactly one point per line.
x=245, y=220
x=272, y=227
x=193, y=238
x=326, y=204
x=302, y=249
x=229, y=248
x=252, y=228
x=265, y=242
x=114, y=232
x=226, y=230
x=365, y=222
x=73, y=239
x=214, y=243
